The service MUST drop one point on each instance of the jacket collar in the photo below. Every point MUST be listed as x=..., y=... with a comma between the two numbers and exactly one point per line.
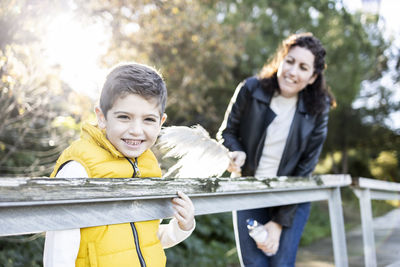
x=261, y=95
x=94, y=134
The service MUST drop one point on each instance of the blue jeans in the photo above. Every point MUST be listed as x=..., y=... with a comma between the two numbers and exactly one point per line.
x=248, y=252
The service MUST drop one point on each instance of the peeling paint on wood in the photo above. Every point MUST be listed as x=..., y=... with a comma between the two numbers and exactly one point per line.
x=14, y=190
x=30, y=205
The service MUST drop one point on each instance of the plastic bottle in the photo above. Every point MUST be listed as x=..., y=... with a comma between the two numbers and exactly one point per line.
x=257, y=232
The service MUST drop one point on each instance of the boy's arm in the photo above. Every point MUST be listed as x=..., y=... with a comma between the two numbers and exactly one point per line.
x=171, y=234
x=61, y=247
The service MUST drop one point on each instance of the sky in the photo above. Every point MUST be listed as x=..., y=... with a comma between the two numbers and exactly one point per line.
x=388, y=10
x=81, y=45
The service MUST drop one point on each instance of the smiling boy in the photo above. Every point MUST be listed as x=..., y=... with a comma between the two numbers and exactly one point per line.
x=130, y=117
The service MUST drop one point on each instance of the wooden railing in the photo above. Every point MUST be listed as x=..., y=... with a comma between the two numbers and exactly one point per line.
x=366, y=190
x=31, y=205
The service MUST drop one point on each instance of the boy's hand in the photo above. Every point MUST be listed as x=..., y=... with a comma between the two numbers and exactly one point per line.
x=184, y=211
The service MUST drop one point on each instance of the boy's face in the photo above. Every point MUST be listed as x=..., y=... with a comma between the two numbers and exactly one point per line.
x=132, y=124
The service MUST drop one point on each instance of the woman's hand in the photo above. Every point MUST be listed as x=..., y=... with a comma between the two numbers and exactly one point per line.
x=184, y=211
x=237, y=160
x=271, y=245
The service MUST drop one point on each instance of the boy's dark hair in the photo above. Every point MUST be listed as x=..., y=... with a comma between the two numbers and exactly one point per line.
x=133, y=78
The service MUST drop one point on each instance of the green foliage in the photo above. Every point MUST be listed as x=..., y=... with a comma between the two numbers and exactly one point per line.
x=318, y=225
x=20, y=251
x=184, y=40
x=386, y=166
x=32, y=95
x=211, y=244
x=29, y=103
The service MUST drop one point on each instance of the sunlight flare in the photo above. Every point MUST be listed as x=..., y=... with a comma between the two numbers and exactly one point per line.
x=75, y=47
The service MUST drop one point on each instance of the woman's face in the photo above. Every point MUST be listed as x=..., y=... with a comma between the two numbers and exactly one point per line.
x=296, y=71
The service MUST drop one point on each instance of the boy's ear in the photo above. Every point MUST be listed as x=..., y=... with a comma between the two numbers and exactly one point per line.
x=163, y=119
x=101, y=119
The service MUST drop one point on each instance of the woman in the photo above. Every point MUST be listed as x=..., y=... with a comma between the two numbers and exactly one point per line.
x=275, y=125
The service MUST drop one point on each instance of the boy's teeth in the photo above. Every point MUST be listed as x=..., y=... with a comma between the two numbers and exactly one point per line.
x=132, y=142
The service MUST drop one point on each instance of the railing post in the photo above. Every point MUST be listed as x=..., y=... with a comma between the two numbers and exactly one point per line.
x=337, y=226
x=367, y=189
x=367, y=228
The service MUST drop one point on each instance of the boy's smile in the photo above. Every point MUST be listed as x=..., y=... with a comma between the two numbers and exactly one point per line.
x=132, y=124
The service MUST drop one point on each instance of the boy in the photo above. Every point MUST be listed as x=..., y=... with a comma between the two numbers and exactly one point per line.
x=130, y=117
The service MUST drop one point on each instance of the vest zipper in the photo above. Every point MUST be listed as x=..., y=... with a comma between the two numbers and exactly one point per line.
x=135, y=167
x=136, y=238
x=134, y=231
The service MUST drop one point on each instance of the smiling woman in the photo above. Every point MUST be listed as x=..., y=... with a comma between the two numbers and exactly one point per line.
x=76, y=46
x=275, y=125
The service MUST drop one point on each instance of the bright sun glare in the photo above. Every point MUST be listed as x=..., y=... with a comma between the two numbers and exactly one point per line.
x=76, y=48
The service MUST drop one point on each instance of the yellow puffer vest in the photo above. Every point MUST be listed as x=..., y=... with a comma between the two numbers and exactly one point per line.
x=127, y=244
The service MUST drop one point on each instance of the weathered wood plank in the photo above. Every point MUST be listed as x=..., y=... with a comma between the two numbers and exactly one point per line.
x=40, y=204
x=376, y=184
x=19, y=191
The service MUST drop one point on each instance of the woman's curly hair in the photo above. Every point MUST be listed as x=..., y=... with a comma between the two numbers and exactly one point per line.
x=317, y=94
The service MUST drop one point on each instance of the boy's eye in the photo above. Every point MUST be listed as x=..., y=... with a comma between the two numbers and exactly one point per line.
x=150, y=119
x=122, y=117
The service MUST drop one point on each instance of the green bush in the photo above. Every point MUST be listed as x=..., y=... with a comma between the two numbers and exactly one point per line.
x=211, y=244
x=21, y=251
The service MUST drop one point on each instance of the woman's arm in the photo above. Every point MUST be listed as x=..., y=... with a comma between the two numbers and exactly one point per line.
x=61, y=247
x=229, y=130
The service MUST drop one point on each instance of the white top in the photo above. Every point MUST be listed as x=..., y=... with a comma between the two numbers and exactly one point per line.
x=61, y=247
x=277, y=134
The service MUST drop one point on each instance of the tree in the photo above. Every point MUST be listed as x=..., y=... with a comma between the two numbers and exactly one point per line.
x=186, y=42
x=32, y=97
x=38, y=112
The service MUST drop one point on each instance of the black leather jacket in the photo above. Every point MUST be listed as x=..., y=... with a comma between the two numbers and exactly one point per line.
x=244, y=129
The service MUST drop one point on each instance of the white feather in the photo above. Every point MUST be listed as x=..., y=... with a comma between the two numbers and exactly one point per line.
x=199, y=156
